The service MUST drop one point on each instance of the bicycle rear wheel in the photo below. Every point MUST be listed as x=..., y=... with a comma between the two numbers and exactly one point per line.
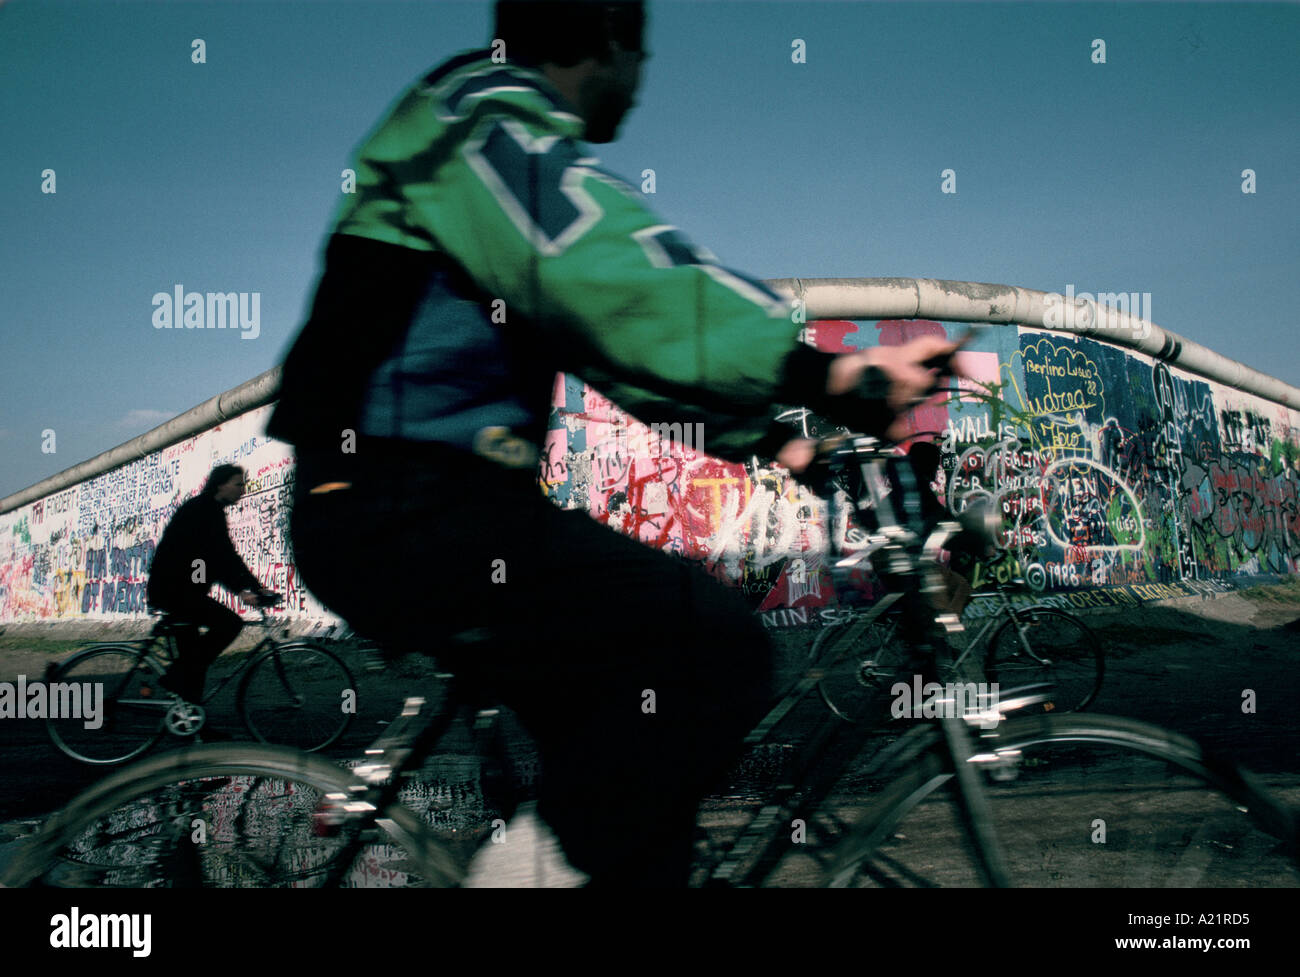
x=1065, y=653
x=125, y=684
x=225, y=816
x=1081, y=801
x=296, y=695
x=861, y=662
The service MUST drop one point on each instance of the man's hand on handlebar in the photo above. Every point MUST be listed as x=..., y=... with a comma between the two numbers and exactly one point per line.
x=913, y=371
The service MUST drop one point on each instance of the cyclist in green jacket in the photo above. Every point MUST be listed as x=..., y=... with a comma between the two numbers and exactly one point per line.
x=483, y=251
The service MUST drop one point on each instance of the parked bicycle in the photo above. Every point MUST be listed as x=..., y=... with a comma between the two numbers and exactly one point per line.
x=291, y=693
x=1048, y=799
x=1014, y=646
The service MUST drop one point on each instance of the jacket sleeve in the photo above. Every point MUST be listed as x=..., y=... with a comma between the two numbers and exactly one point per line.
x=230, y=570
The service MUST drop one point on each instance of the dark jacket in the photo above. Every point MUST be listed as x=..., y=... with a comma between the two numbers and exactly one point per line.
x=196, y=532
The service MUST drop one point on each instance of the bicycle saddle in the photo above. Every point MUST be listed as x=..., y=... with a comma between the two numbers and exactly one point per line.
x=168, y=622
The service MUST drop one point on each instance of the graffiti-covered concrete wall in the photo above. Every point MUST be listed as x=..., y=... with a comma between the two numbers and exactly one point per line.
x=85, y=552
x=1119, y=479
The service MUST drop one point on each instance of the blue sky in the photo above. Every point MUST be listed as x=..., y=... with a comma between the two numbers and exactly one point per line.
x=224, y=176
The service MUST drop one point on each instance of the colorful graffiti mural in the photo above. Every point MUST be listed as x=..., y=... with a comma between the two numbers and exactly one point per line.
x=1110, y=471
x=85, y=552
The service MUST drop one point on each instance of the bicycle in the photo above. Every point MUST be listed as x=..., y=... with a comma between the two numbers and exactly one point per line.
x=290, y=693
x=1029, y=644
x=1024, y=798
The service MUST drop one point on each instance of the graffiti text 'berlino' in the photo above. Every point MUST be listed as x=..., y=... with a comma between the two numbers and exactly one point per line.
x=180, y=309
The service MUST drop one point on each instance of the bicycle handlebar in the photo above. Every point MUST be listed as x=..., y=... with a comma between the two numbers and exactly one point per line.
x=905, y=543
x=862, y=463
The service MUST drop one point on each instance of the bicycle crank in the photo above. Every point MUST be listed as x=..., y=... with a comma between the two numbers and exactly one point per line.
x=876, y=677
x=184, y=718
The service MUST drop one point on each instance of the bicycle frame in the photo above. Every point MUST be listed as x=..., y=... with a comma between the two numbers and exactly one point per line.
x=159, y=650
x=403, y=748
x=1006, y=612
x=971, y=646
x=264, y=647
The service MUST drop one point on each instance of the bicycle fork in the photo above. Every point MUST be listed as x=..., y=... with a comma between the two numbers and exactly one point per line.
x=971, y=798
x=297, y=698
x=1021, y=628
x=974, y=804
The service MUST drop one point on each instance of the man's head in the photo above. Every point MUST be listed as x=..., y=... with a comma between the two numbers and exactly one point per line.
x=225, y=484
x=591, y=50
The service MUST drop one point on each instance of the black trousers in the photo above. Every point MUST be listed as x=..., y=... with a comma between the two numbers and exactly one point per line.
x=636, y=673
x=195, y=651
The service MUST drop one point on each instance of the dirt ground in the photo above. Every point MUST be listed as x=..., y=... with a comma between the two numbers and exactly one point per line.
x=1182, y=663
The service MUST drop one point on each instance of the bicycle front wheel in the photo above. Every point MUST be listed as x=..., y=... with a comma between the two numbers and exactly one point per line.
x=298, y=694
x=225, y=816
x=1080, y=801
x=121, y=684
x=1044, y=645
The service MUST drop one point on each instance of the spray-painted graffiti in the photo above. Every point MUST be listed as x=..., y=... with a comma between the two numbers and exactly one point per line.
x=1108, y=471
x=86, y=551
x=1113, y=475
x=1248, y=508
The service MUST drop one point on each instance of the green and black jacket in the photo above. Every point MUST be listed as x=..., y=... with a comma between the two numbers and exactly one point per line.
x=484, y=250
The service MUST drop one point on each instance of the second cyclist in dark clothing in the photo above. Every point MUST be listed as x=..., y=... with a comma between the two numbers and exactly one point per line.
x=194, y=553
